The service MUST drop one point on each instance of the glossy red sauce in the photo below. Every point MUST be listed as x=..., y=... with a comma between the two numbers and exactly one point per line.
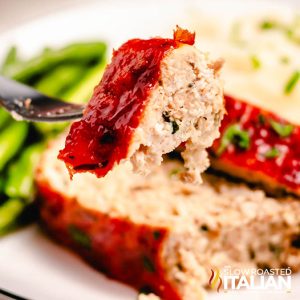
x=284, y=168
x=102, y=138
x=123, y=250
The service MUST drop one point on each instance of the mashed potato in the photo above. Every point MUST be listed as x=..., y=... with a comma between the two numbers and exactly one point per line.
x=261, y=56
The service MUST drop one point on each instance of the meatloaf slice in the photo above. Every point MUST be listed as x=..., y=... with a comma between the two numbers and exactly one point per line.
x=258, y=146
x=170, y=234
x=154, y=95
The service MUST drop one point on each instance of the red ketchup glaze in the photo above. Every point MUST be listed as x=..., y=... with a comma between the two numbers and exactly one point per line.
x=102, y=138
x=283, y=168
x=123, y=250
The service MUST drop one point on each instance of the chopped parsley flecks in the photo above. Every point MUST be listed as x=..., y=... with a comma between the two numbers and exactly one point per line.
x=175, y=127
x=236, y=136
x=148, y=264
x=283, y=130
x=79, y=236
x=167, y=118
x=261, y=119
x=291, y=84
x=276, y=249
x=204, y=227
x=272, y=153
x=175, y=172
x=156, y=234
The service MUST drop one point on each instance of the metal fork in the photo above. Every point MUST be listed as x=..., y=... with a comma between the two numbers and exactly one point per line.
x=25, y=103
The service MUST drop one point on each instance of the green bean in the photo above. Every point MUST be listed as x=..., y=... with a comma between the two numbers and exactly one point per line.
x=60, y=79
x=82, y=92
x=11, y=141
x=49, y=130
x=4, y=117
x=81, y=53
x=9, y=212
x=20, y=181
x=2, y=184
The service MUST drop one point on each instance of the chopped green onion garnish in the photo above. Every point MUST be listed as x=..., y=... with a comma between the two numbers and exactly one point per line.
x=293, y=34
x=283, y=130
x=236, y=136
x=266, y=25
x=272, y=153
x=291, y=31
x=256, y=63
x=292, y=82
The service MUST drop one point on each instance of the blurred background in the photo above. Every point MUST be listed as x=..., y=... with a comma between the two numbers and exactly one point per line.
x=14, y=12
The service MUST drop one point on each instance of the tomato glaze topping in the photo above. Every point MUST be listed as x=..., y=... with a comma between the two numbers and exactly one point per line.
x=259, y=141
x=102, y=138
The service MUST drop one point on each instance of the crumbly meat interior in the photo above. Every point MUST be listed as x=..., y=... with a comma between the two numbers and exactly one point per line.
x=211, y=226
x=186, y=107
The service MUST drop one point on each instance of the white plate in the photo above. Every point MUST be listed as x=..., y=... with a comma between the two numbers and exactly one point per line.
x=33, y=266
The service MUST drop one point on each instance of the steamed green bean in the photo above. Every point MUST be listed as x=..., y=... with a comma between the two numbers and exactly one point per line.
x=4, y=117
x=82, y=92
x=20, y=181
x=9, y=212
x=11, y=141
x=83, y=53
x=60, y=79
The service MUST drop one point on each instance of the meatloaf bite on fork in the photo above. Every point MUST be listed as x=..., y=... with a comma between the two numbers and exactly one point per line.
x=155, y=95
